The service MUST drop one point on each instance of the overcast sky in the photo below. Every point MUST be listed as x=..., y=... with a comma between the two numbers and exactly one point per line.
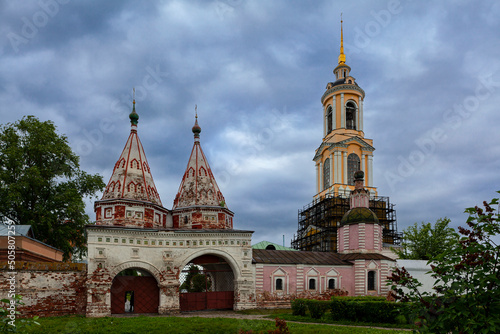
x=257, y=71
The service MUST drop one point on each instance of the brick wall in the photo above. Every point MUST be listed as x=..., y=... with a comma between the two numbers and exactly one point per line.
x=48, y=288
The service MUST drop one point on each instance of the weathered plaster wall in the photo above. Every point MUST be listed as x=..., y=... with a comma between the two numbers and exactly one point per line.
x=164, y=254
x=47, y=288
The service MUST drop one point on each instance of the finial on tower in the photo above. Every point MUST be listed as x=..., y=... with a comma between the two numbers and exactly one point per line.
x=134, y=117
x=196, y=128
x=342, y=55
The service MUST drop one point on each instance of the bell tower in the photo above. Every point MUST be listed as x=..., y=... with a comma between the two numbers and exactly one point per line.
x=344, y=148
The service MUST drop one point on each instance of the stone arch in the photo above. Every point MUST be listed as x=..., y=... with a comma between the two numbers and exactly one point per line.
x=135, y=293
x=226, y=256
x=139, y=265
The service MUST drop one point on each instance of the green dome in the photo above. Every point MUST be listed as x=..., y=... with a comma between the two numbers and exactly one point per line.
x=134, y=117
x=359, y=215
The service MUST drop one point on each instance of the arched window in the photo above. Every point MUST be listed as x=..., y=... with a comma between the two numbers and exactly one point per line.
x=350, y=115
x=331, y=283
x=326, y=173
x=270, y=247
x=371, y=280
x=329, y=120
x=312, y=284
x=353, y=165
x=279, y=284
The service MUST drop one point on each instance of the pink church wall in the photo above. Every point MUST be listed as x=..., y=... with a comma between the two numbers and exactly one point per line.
x=296, y=283
x=369, y=240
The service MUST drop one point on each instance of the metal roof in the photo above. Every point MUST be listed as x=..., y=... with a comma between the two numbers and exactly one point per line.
x=264, y=244
x=303, y=257
x=23, y=230
x=297, y=257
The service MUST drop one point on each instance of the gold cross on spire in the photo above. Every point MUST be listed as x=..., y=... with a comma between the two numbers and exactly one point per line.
x=342, y=55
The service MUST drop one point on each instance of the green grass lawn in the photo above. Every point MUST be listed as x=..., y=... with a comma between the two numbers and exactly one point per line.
x=160, y=324
x=286, y=314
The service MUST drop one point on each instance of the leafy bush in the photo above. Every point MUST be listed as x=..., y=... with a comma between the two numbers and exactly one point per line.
x=10, y=321
x=317, y=307
x=299, y=307
x=365, y=309
x=467, y=286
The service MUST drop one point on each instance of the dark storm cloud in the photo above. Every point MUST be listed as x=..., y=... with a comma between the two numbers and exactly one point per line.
x=257, y=70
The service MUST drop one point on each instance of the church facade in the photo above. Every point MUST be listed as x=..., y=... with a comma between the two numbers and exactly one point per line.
x=145, y=258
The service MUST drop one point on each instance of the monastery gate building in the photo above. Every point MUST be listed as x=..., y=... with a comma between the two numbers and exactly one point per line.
x=138, y=249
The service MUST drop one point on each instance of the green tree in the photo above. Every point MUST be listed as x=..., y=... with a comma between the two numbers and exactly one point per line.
x=196, y=281
x=467, y=286
x=424, y=241
x=41, y=184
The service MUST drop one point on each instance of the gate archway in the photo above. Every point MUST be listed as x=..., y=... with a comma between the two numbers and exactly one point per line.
x=206, y=283
x=134, y=290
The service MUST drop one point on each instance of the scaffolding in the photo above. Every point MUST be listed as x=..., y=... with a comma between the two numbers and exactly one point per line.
x=318, y=222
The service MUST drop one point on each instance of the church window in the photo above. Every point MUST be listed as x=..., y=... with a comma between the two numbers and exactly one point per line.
x=312, y=284
x=108, y=213
x=326, y=174
x=371, y=280
x=329, y=120
x=331, y=283
x=353, y=165
x=350, y=115
x=279, y=284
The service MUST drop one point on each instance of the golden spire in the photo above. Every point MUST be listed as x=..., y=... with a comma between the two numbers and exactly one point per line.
x=342, y=55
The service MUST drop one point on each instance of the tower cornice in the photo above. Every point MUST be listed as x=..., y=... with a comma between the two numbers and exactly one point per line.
x=340, y=88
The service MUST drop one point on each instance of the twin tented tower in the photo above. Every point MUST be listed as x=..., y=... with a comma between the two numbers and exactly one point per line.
x=140, y=253
x=344, y=150
x=137, y=249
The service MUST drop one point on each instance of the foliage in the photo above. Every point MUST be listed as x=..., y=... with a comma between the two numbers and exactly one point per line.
x=424, y=241
x=467, y=286
x=196, y=281
x=10, y=321
x=281, y=328
x=299, y=306
x=41, y=184
x=364, y=309
x=317, y=308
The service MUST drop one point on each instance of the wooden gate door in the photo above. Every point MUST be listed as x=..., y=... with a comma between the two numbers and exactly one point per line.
x=142, y=291
x=219, y=294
